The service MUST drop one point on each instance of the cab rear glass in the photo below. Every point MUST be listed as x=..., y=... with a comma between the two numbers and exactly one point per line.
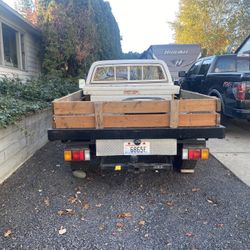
x=232, y=64
x=128, y=73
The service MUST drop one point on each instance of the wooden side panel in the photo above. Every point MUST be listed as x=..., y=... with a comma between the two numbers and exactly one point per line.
x=192, y=120
x=70, y=108
x=74, y=121
x=136, y=107
x=98, y=115
x=135, y=121
x=198, y=105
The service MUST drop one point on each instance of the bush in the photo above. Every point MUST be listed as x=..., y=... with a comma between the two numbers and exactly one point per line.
x=18, y=99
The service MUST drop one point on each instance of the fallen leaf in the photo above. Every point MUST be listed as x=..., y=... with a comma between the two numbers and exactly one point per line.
x=119, y=225
x=62, y=231
x=67, y=211
x=72, y=199
x=98, y=205
x=46, y=201
x=86, y=206
x=170, y=203
x=124, y=215
x=189, y=234
x=101, y=227
x=141, y=222
x=212, y=201
x=220, y=225
x=196, y=189
x=142, y=207
x=7, y=233
x=146, y=235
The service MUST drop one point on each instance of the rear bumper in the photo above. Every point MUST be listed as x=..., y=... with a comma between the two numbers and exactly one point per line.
x=181, y=133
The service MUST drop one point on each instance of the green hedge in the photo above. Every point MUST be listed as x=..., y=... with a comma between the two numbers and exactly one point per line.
x=18, y=99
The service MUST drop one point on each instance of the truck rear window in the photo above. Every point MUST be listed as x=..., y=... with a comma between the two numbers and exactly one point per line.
x=232, y=64
x=134, y=73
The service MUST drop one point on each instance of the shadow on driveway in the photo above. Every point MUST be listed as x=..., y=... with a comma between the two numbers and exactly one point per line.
x=207, y=210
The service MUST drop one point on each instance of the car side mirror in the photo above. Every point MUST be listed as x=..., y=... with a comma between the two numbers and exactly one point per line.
x=181, y=73
x=81, y=83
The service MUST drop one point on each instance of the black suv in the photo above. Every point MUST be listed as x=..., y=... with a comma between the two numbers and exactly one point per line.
x=226, y=77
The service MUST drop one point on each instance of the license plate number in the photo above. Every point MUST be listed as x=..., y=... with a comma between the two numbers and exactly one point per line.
x=131, y=149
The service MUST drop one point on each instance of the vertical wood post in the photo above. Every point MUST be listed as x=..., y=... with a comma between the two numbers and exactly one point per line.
x=98, y=115
x=174, y=113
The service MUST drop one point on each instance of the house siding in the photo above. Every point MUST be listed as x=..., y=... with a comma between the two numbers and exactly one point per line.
x=32, y=45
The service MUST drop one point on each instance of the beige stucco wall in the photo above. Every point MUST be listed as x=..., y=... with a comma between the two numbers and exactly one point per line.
x=19, y=142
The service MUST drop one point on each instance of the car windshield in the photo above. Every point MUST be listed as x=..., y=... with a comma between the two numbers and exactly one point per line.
x=129, y=73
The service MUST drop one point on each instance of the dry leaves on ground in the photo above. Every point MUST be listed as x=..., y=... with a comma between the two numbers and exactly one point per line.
x=196, y=189
x=46, y=201
x=124, y=215
x=86, y=206
x=212, y=201
x=72, y=199
x=7, y=233
x=141, y=222
x=189, y=234
x=67, y=211
x=170, y=203
x=62, y=230
x=119, y=225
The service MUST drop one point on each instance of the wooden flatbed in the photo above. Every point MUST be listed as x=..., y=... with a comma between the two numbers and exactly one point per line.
x=190, y=109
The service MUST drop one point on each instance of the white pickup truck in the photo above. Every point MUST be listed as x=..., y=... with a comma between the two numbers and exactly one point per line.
x=128, y=115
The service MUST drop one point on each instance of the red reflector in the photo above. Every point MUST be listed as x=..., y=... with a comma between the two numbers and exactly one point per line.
x=78, y=155
x=194, y=154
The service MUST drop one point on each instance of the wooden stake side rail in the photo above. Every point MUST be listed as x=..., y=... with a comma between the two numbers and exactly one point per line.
x=71, y=112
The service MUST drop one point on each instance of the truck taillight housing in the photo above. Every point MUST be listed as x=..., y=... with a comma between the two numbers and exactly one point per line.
x=240, y=91
x=77, y=155
x=195, y=153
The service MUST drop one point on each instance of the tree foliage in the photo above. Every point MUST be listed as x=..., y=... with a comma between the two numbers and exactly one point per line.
x=76, y=33
x=214, y=24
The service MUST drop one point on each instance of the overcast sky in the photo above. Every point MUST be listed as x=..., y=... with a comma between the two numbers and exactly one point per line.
x=142, y=22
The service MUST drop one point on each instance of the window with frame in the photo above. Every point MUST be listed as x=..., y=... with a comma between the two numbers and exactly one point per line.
x=129, y=73
x=194, y=69
x=12, y=49
x=205, y=66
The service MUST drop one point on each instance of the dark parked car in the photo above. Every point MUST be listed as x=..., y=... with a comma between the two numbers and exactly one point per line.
x=226, y=77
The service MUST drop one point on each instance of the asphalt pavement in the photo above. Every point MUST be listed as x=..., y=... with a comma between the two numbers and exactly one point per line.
x=42, y=206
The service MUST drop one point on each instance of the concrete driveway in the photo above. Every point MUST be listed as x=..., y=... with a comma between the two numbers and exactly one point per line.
x=234, y=150
x=42, y=206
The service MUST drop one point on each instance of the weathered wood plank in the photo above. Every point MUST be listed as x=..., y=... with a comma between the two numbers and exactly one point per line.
x=70, y=108
x=197, y=105
x=135, y=121
x=174, y=113
x=74, y=121
x=136, y=107
x=98, y=115
x=192, y=120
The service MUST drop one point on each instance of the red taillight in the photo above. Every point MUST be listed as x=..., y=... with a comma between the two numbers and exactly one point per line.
x=241, y=91
x=194, y=154
x=78, y=155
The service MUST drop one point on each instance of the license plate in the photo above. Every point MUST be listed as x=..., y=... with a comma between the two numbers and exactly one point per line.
x=131, y=149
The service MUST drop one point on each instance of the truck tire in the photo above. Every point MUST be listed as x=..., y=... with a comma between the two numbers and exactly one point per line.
x=183, y=166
